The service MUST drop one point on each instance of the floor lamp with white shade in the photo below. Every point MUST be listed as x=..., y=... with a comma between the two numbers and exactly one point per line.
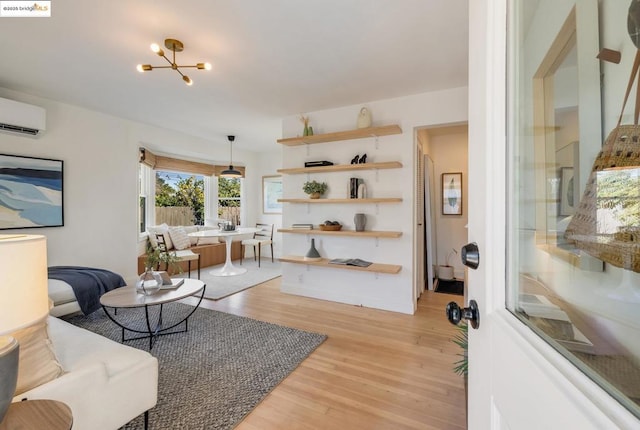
x=23, y=301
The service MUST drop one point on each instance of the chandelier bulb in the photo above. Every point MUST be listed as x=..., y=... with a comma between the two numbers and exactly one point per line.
x=139, y=68
x=156, y=48
x=187, y=80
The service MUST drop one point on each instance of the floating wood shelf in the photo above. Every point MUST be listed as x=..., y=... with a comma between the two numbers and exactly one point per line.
x=350, y=233
x=374, y=200
x=342, y=168
x=391, y=269
x=359, y=133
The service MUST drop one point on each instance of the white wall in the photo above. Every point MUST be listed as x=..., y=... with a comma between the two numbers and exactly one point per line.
x=390, y=292
x=100, y=154
x=268, y=165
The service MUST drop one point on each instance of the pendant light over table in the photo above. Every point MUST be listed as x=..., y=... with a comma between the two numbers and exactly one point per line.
x=231, y=172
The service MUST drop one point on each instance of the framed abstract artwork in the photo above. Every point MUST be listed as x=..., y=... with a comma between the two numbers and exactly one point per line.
x=452, y=194
x=30, y=192
x=271, y=192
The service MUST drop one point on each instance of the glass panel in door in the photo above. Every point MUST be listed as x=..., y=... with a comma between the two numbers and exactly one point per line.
x=573, y=233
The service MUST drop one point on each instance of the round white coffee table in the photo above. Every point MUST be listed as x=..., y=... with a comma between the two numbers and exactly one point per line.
x=128, y=297
x=228, y=269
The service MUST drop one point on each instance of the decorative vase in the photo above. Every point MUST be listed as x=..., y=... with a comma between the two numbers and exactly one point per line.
x=312, y=254
x=364, y=118
x=362, y=191
x=314, y=195
x=305, y=132
x=149, y=282
x=360, y=220
x=8, y=372
x=445, y=273
x=310, y=131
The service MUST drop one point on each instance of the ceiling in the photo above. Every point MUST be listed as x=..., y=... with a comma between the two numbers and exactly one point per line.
x=271, y=58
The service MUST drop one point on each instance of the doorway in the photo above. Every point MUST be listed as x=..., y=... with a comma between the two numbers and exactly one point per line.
x=440, y=150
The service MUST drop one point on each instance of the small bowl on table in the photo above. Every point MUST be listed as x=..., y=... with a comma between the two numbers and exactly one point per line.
x=325, y=227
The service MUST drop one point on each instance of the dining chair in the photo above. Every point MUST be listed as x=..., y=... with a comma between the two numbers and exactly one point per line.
x=264, y=236
x=181, y=255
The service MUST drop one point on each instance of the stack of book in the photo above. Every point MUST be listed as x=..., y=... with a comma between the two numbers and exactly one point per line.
x=354, y=183
x=302, y=226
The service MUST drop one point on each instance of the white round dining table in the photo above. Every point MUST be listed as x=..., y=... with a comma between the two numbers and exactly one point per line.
x=228, y=269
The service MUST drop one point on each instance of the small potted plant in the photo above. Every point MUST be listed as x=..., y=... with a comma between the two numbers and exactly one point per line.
x=150, y=280
x=314, y=188
x=445, y=271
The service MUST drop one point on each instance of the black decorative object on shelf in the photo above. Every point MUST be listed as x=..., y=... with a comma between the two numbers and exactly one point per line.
x=354, y=160
x=354, y=183
x=363, y=159
x=317, y=163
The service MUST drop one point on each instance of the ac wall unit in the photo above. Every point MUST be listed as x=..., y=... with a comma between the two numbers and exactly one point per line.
x=21, y=118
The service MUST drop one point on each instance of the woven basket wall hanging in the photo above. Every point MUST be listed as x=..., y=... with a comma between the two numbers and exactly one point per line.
x=606, y=223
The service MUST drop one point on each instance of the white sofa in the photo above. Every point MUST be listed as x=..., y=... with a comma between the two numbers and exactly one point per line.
x=106, y=384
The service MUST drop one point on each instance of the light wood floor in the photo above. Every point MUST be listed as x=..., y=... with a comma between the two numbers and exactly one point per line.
x=376, y=370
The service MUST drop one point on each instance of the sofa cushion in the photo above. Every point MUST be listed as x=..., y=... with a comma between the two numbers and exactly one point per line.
x=159, y=229
x=179, y=238
x=37, y=363
x=191, y=229
x=60, y=292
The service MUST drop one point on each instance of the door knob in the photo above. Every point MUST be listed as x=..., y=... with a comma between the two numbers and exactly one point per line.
x=455, y=314
x=470, y=255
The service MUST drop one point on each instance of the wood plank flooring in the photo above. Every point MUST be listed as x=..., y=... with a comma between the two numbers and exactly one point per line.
x=376, y=370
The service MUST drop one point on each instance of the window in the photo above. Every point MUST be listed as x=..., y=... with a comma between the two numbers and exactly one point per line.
x=179, y=198
x=185, y=192
x=229, y=203
x=145, y=196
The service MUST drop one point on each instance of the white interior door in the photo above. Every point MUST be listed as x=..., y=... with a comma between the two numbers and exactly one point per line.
x=420, y=245
x=429, y=220
x=516, y=379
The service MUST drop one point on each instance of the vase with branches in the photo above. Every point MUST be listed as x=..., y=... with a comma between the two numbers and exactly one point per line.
x=150, y=280
x=446, y=271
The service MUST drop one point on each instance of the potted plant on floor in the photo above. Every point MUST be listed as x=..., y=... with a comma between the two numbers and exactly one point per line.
x=461, y=367
x=445, y=272
x=314, y=188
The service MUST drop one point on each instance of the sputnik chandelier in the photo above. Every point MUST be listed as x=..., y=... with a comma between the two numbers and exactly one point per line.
x=174, y=46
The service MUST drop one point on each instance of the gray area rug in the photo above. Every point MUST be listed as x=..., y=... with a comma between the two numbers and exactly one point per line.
x=213, y=375
x=219, y=287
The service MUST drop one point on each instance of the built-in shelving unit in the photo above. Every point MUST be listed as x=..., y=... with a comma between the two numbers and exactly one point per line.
x=350, y=233
x=391, y=269
x=342, y=168
x=333, y=137
x=359, y=133
x=321, y=201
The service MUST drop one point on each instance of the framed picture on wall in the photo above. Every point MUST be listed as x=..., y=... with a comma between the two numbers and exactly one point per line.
x=30, y=192
x=271, y=192
x=452, y=193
